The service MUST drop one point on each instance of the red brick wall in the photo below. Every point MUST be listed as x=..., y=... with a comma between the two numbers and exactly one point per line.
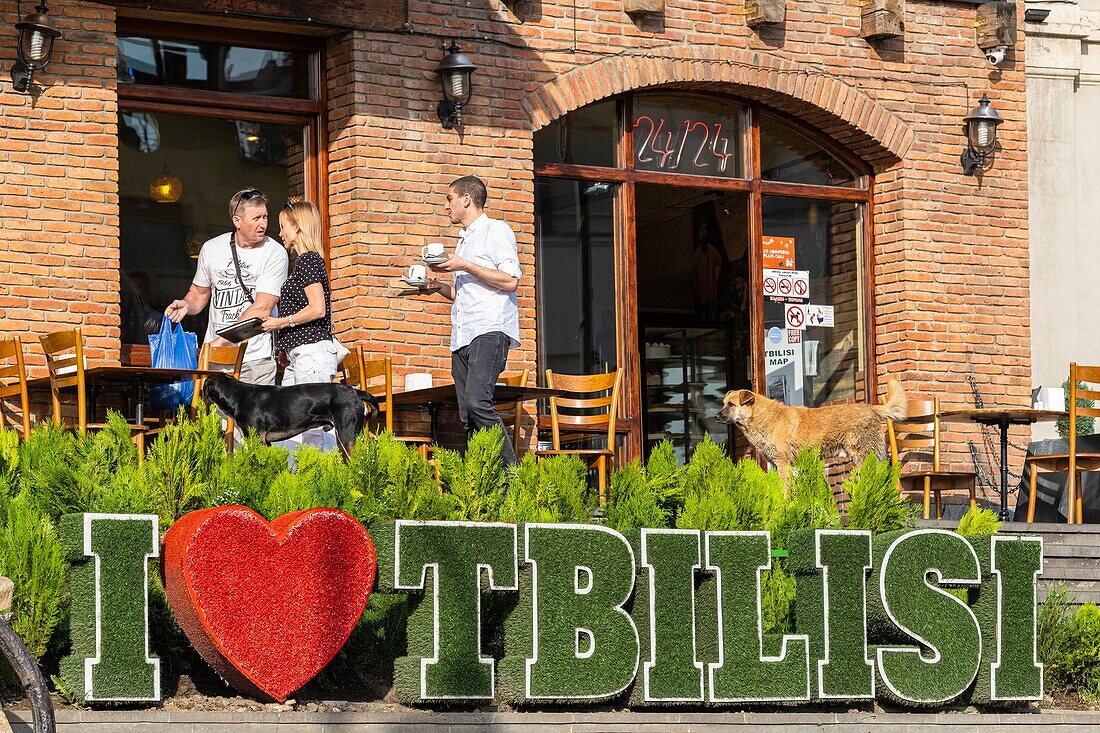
x=951, y=256
x=59, y=185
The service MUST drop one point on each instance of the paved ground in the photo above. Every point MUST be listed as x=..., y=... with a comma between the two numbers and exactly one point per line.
x=156, y=721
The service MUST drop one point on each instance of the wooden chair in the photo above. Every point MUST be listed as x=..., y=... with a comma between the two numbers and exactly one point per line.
x=918, y=435
x=593, y=410
x=13, y=385
x=226, y=359
x=1072, y=462
x=376, y=376
x=65, y=362
x=512, y=412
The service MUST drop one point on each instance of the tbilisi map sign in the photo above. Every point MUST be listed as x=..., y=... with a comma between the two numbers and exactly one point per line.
x=657, y=617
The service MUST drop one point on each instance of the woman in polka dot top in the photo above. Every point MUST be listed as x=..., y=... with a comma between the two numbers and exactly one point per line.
x=304, y=323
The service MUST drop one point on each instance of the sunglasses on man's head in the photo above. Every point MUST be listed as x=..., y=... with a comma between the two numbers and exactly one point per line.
x=248, y=196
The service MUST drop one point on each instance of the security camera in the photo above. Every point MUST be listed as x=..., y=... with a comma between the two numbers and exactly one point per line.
x=996, y=54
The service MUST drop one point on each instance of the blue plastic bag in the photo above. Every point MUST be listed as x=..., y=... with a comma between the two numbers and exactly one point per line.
x=173, y=348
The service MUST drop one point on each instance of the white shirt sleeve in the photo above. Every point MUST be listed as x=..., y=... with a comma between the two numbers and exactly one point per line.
x=274, y=271
x=502, y=249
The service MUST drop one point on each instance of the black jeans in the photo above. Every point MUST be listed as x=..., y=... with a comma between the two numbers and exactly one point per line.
x=475, y=369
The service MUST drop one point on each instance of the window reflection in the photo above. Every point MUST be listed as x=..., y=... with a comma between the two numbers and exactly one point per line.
x=213, y=66
x=789, y=156
x=576, y=274
x=588, y=136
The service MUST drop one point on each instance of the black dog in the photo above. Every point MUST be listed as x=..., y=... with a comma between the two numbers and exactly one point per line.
x=278, y=413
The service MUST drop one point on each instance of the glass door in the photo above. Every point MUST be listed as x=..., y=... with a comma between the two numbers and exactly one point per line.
x=693, y=311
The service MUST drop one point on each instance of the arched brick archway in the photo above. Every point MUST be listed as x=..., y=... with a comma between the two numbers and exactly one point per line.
x=822, y=101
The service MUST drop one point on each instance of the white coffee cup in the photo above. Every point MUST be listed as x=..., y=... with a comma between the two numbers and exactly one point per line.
x=432, y=249
x=418, y=273
x=417, y=380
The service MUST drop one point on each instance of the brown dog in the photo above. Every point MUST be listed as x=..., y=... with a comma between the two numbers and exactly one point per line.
x=781, y=432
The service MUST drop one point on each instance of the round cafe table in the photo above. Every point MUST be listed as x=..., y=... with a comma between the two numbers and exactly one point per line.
x=1002, y=417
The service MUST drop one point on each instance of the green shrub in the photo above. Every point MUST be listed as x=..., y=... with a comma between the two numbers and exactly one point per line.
x=1080, y=666
x=978, y=521
x=1054, y=634
x=553, y=489
x=876, y=503
x=46, y=469
x=288, y=493
x=9, y=457
x=632, y=501
x=719, y=495
x=810, y=502
x=390, y=480
x=645, y=497
x=245, y=477
x=31, y=556
x=182, y=463
x=475, y=479
x=326, y=475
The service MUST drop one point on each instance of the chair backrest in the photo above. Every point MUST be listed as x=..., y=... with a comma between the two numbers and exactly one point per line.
x=376, y=377
x=65, y=362
x=513, y=411
x=351, y=368
x=593, y=407
x=13, y=384
x=918, y=433
x=226, y=359
x=1090, y=376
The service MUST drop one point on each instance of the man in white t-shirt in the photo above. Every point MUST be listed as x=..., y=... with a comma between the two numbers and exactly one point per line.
x=484, y=313
x=238, y=290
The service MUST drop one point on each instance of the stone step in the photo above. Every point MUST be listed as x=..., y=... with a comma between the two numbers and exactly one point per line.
x=158, y=721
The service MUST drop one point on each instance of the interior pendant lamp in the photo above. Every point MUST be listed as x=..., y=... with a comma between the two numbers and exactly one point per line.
x=981, y=138
x=36, y=36
x=166, y=188
x=456, y=73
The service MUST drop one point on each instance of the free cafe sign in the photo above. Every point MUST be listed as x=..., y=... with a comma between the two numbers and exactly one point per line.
x=657, y=617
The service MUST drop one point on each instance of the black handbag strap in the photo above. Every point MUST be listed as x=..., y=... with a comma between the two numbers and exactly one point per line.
x=237, y=267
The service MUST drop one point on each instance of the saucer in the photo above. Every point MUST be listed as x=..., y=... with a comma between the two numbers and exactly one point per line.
x=414, y=283
x=436, y=259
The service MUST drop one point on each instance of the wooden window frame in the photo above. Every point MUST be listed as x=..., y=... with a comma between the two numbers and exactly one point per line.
x=309, y=114
x=626, y=297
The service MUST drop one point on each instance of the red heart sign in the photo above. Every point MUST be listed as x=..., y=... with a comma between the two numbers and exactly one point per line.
x=268, y=605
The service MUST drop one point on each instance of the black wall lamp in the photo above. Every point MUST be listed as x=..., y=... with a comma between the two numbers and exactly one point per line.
x=456, y=76
x=981, y=138
x=36, y=36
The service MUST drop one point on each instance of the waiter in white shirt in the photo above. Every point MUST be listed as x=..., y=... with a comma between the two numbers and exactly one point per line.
x=484, y=314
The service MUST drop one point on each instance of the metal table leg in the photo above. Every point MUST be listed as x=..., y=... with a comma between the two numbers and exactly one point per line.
x=434, y=408
x=1003, y=425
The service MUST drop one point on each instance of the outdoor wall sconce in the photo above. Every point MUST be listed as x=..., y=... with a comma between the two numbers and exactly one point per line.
x=36, y=36
x=981, y=138
x=456, y=75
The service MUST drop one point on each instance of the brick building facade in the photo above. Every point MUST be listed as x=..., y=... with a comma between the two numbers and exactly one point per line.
x=947, y=271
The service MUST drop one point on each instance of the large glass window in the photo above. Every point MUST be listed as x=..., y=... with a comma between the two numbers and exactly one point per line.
x=180, y=161
x=210, y=159
x=815, y=357
x=710, y=241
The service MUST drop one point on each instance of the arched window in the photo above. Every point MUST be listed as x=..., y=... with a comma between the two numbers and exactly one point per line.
x=703, y=243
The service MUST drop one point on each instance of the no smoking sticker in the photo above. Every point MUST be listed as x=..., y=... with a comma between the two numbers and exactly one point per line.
x=796, y=316
x=787, y=286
